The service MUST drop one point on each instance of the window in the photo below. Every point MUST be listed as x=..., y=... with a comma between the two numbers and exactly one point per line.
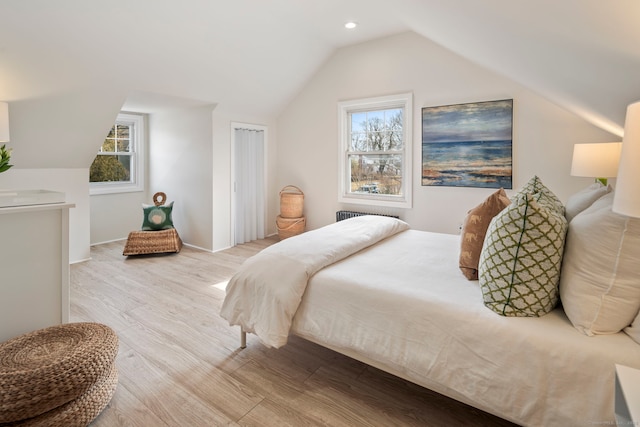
x=119, y=165
x=375, y=151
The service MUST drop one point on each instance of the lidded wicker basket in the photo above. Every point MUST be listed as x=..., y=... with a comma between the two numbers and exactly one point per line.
x=291, y=202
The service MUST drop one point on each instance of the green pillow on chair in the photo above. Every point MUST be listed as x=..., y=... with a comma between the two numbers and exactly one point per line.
x=157, y=217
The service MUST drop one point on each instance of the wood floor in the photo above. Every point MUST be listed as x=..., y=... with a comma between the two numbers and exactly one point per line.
x=180, y=364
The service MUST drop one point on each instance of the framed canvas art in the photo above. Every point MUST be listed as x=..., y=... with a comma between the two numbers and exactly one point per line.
x=468, y=145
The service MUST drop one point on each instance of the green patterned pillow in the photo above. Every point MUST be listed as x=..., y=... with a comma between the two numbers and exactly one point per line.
x=157, y=217
x=520, y=262
x=544, y=195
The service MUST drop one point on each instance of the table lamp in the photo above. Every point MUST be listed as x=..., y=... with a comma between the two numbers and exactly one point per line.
x=626, y=200
x=597, y=160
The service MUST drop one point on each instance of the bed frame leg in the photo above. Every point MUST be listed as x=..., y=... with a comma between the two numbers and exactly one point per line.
x=243, y=338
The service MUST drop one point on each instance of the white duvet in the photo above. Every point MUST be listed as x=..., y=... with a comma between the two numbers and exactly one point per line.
x=263, y=296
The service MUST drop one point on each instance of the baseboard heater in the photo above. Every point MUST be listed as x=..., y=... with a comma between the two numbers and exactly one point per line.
x=341, y=215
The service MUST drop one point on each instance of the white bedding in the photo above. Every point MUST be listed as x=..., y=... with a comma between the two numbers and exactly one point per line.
x=263, y=296
x=404, y=306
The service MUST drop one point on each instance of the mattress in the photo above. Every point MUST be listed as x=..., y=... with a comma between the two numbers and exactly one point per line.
x=404, y=306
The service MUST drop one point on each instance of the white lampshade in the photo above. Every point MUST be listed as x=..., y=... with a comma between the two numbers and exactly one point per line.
x=627, y=196
x=599, y=160
x=4, y=122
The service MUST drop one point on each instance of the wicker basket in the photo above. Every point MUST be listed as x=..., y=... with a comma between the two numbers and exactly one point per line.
x=288, y=227
x=291, y=202
x=152, y=242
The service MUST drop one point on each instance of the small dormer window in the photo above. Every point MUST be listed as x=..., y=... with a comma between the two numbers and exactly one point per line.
x=119, y=164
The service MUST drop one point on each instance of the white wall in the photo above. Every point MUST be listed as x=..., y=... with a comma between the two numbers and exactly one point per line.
x=113, y=216
x=75, y=184
x=221, y=181
x=64, y=129
x=180, y=152
x=543, y=135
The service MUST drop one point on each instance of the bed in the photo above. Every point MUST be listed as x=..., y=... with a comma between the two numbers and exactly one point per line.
x=398, y=301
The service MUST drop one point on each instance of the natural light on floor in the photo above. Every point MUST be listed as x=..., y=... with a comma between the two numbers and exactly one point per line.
x=222, y=285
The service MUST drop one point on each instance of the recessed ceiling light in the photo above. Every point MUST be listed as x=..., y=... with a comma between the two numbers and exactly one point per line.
x=350, y=25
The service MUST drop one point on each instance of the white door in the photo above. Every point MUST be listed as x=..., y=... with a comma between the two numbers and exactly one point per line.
x=248, y=204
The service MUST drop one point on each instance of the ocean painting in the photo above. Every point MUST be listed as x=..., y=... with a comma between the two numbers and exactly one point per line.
x=468, y=145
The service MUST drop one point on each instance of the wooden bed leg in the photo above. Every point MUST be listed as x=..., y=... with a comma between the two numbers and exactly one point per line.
x=243, y=338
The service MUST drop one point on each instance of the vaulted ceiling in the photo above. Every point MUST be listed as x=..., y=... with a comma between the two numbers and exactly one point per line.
x=255, y=55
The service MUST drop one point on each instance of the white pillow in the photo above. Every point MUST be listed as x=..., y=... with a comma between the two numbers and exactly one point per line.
x=584, y=198
x=634, y=330
x=600, y=278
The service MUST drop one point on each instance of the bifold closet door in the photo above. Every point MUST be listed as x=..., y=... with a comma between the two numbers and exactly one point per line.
x=249, y=204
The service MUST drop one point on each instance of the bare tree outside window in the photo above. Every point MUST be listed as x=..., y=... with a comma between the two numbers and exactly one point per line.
x=376, y=151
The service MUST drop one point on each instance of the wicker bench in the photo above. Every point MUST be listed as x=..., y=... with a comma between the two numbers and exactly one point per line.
x=152, y=242
x=63, y=375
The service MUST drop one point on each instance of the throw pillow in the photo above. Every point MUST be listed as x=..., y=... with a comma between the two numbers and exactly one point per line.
x=474, y=228
x=520, y=262
x=584, y=198
x=157, y=217
x=600, y=283
x=634, y=329
x=545, y=196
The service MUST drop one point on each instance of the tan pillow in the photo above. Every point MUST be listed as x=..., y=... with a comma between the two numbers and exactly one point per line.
x=474, y=228
x=600, y=280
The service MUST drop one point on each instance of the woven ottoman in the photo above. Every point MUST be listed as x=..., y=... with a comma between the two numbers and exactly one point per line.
x=152, y=242
x=63, y=375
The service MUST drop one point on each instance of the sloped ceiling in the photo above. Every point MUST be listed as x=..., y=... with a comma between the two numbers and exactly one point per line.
x=581, y=54
x=252, y=56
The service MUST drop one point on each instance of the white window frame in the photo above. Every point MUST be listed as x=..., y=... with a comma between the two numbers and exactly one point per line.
x=137, y=149
x=404, y=101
